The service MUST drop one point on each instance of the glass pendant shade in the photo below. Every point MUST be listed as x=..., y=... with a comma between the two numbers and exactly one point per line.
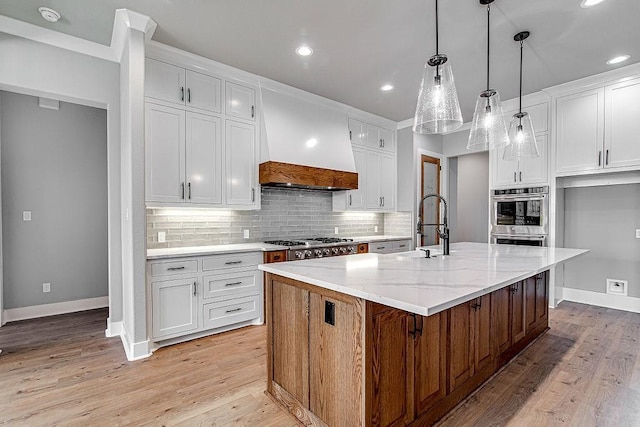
x=488, y=130
x=522, y=138
x=438, y=109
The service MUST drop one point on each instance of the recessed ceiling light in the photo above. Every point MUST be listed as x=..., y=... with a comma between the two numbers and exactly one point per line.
x=618, y=59
x=304, y=51
x=590, y=3
x=49, y=14
x=386, y=88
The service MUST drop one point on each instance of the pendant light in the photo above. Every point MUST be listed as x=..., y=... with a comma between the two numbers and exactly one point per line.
x=438, y=109
x=521, y=135
x=488, y=129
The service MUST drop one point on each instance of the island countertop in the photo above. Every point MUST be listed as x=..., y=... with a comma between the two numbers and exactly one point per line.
x=426, y=286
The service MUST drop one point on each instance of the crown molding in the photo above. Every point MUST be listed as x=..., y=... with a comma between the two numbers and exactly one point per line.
x=124, y=20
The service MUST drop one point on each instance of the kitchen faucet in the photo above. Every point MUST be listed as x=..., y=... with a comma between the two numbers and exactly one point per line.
x=444, y=233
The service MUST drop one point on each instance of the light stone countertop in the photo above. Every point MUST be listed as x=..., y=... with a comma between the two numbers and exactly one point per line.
x=244, y=247
x=410, y=282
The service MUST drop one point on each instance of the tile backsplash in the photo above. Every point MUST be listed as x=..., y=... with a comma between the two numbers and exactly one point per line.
x=285, y=213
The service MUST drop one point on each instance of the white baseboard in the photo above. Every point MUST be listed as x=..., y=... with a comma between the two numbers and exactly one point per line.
x=114, y=329
x=43, y=310
x=617, y=302
x=134, y=350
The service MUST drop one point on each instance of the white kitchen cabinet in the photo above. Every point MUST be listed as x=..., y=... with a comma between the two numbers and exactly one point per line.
x=164, y=154
x=380, y=180
x=240, y=161
x=178, y=85
x=523, y=172
x=387, y=173
x=175, y=307
x=357, y=132
x=380, y=139
x=390, y=246
x=240, y=101
x=183, y=156
x=622, y=116
x=580, y=131
x=354, y=199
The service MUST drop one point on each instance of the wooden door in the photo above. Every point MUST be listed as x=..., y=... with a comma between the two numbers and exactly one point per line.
x=290, y=356
x=240, y=157
x=203, y=92
x=517, y=312
x=502, y=314
x=430, y=208
x=482, y=339
x=461, y=366
x=430, y=367
x=204, y=158
x=388, y=391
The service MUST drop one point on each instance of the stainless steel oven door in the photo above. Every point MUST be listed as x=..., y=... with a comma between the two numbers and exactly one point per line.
x=522, y=240
x=520, y=214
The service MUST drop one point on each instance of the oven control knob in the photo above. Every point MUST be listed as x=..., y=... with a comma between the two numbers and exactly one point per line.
x=343, y=251
x=327, y=252
x=307, y=254
x=318, y=253
x=352, y=249
x=299, y=255
x=335, y=251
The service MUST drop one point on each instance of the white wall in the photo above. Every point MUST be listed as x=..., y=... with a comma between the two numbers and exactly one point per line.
x=37, y=69
x=54, y=164
x=404, y=167
x=471, y=198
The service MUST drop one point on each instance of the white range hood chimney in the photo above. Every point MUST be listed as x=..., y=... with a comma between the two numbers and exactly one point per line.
x=304, y=144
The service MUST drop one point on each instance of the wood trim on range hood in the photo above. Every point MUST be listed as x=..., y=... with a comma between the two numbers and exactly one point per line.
x=278, y=174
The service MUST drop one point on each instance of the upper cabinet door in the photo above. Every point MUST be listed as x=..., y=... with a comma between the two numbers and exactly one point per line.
x=203, y=92
x=372, y=180
x=164, y=154
x=621, y=137
x=387, y=181
x=240, y=155
x=580, y=133
x=240, y=101
x=356, y=198
x=357, y=132
x=373, y=137
x=505, y=172
x=164, y=81
x=534, y=170
x=204, y=159
x=387, y=140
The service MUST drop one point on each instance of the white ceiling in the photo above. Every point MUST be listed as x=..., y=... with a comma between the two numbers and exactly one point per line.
x=361, y=44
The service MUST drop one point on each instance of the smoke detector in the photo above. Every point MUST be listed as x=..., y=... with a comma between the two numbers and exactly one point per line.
x=49, y=14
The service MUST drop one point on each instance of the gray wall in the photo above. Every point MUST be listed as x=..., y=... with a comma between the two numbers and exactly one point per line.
x=54, y=164
x=603, y=220
x=471, y=197
x=406, y=180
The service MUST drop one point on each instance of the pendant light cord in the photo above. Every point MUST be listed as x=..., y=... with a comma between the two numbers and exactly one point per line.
x=520, y=108
x=488, y=43
x=437, y=50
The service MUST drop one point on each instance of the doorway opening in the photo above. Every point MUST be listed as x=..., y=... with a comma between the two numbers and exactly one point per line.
x=430, y=184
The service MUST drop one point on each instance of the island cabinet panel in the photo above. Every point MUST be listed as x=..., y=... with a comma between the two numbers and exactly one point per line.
x=430, y=369
x=460, y=344
x=482, y=333
x=290, y=326
x=335, y=360
x=388, y=363
x=536, y=302
x=517, y=312
x=502, y=312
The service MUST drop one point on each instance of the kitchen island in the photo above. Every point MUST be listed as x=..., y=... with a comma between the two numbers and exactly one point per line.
x=398, y=339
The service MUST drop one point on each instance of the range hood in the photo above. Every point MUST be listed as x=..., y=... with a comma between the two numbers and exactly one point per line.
x=304, y=144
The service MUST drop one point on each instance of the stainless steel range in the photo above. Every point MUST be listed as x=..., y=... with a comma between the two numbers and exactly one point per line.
x=316, y=247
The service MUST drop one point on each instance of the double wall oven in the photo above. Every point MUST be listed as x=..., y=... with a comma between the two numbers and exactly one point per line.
x=520, y=216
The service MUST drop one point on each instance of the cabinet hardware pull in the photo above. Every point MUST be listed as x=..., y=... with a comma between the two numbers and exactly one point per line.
x=606, y=157
x=253, y=194
x=232, y=262
x=276, y=257
x=233, y=310
x=520, y=176
x=350, y=136
x=253, y=111
x=175, y=268
x=600, y=158
x=182, y=190
x=195, y=288
x=412, y=330
x=182, y=93
x=382, y=200
x=350, y=200
x=189, y=185
x=233, y=283
x=189, y=95
x=514, y=177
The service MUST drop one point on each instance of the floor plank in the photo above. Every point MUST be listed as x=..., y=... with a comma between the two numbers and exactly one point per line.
x=61, y=370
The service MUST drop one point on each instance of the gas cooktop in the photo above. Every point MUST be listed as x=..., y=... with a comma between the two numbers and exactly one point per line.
x=310, y=241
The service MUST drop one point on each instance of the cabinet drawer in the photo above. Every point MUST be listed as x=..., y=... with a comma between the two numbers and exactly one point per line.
x=222, y=313
x=233, y=284
x=231, y=261
x=169, y=268
x=381, y=248
x=402, y=246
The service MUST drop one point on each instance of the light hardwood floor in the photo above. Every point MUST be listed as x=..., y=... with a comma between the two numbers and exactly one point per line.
x=62, y=371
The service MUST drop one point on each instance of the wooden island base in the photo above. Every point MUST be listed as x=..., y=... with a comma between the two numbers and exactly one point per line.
x=337, y=360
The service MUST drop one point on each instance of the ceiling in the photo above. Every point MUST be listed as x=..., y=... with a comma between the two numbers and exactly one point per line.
x=359, y=45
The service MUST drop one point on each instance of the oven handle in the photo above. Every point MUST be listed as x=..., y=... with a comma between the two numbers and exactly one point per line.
x=518, y=197
x=531, y=237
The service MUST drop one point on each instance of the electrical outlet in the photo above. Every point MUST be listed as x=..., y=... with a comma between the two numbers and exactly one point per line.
x=46, y=287
x=162, y=236
x=246, y=234
x=375, y=228
x=335, y=231
x=617, y=286
x=26, y=215
x=637, y=233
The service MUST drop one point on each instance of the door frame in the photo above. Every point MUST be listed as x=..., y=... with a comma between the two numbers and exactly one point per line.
x=444, y=178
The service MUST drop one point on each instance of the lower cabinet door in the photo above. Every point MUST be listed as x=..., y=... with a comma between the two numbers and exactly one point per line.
x=517, y=312
x=174, y=307
x=223, y=313
x=482, y=339
x=501, y=306
x=430, y=369
x=461, y=366
x=530, y=303
x=542, y=302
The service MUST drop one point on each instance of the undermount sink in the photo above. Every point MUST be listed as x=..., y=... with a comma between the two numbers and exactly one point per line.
x=418, y=254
